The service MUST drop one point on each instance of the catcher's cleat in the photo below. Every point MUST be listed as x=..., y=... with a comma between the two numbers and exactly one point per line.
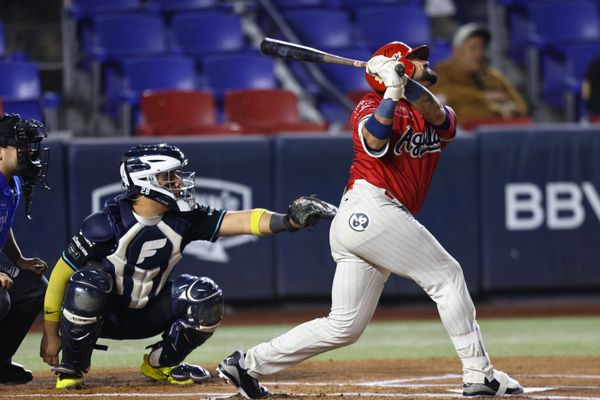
x=500, y=385
x=13, y=373
x=183, y=374
x=67, y=377
x=233, y=371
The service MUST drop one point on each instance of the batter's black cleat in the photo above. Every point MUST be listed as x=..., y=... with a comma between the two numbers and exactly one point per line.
x=233, y=370
x=500, y=385
x=14, y=374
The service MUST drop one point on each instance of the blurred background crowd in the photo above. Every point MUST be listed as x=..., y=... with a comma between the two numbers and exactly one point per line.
x=192, y=67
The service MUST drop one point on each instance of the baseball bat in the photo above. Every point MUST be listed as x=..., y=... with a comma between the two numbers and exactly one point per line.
x=293, y=51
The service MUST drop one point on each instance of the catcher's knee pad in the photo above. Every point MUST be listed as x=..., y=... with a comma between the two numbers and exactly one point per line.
x=4, y=302
x=86, y=297
x=198, y=302
x=199, y=309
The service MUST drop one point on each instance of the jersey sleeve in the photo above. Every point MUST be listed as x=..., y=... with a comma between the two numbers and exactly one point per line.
x=361, y=114
x=92, y=243
x=205, y=223
x=447, y=130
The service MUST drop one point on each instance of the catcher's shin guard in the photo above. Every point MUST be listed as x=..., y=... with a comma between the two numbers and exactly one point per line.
x=177, y=343
x=86, y=297
x=198, y=302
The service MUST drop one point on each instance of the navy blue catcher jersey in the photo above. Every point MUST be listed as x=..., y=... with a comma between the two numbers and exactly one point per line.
x=9, y=201
x=139, y=252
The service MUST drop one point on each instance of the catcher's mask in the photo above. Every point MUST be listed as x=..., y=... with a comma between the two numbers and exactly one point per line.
x=154, y=171
x=402, y=52
x=26, y=136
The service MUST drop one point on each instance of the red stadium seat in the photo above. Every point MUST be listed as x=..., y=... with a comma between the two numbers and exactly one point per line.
x=180, y=112
x=267, y=111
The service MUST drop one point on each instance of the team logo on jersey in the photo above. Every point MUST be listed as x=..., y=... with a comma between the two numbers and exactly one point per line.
x=215, y=193
x=359, y=222
x=417, y=144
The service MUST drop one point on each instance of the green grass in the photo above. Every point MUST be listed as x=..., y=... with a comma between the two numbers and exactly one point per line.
x=575, y=336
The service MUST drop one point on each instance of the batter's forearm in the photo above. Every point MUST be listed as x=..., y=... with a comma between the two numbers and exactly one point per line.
x=425, y=102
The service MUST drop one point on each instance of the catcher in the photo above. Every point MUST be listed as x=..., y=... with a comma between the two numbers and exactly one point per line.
x=114, y=278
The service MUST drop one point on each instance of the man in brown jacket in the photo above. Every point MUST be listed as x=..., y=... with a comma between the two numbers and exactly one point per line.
x=470, y=86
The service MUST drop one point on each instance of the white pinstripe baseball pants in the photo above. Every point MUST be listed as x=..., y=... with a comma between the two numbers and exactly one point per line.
x=371, y=237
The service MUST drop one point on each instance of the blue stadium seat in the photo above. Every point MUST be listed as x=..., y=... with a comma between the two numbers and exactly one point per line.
x=126, y=35
x=285, y=4
x=238, y=71
x=118, y=37
x=439, y=50
x=552, y=34
x=356, y=4
x=563, y=72
x=347, y=78
x=168, y=6
x=320, y=28
x=80, y=9
x=202, y=32
x=380, y=25
x=2, y=45
x=20, y=90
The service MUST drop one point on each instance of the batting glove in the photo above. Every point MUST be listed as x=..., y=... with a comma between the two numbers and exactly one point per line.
x=383, y=68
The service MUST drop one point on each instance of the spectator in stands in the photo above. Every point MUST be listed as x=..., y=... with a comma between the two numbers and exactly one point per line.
x=441, y=14
x=590, y=91
x=474, y=89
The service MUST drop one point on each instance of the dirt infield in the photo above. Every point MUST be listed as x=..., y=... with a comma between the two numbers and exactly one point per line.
x=544, y=378
x=559, y=378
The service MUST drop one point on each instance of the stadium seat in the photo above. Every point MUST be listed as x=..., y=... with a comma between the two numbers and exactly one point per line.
x=2, y=41
x=552, y=34
x=330, y=28
x=151, y=73
x=267, y=111
x=202, y=32
x=237, y=71
x=116, y=38
x=356, y=4
x=408, y=24
x=169, y=6
x=180, y=112
x=348, y=78
x=286, y=4
x=127, y=35
x=21, y=94
x=79, y=9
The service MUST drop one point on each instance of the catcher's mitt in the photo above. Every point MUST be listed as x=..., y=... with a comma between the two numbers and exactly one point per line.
x=308, y=210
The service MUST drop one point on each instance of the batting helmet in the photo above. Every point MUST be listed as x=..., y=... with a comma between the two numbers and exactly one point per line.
x=400, y=51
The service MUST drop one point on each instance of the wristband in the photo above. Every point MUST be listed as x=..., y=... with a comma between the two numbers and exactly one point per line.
x=377, y=129
x=386, y=108
x=255, y=217
x=280, y=223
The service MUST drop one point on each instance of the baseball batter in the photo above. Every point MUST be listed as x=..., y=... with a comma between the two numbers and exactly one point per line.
x=399, y=132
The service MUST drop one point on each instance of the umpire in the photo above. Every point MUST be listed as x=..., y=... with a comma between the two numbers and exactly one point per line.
x=23, y=165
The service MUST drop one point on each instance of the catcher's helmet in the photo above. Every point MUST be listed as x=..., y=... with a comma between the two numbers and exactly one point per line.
x=26, y=135
x=401, y=51
x=153, y=171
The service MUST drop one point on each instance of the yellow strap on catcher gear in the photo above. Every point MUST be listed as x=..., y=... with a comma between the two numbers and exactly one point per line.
x=255, y=217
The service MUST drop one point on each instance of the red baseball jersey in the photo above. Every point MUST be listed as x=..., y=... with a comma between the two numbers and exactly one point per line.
x=405, y=166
